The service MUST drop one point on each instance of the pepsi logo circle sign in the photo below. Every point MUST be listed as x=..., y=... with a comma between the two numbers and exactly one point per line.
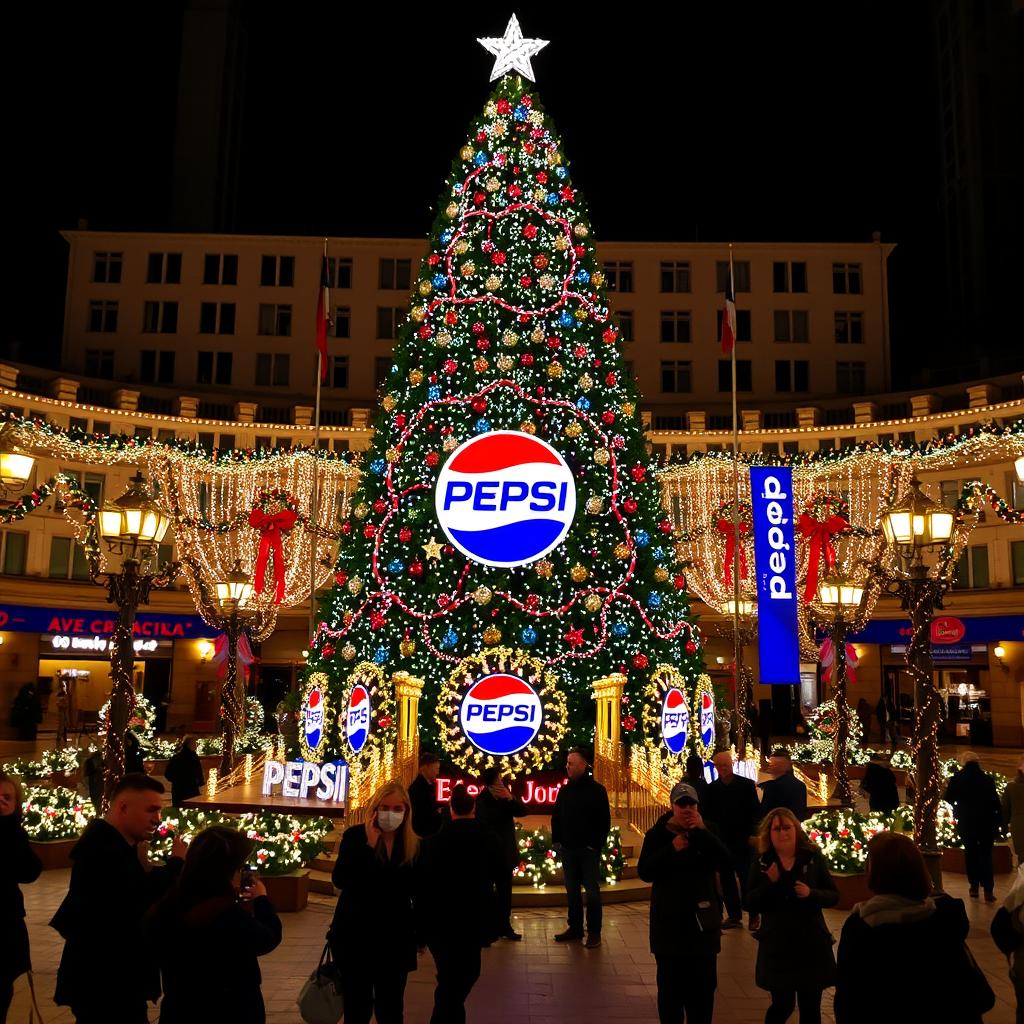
x=357, y=718
x=313, y=720
x=501, y=714
x=505, y=498
x=707, y=719
x=675, y=720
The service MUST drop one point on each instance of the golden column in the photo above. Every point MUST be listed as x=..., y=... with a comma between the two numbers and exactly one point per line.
x=407, y=692
x=608, y=753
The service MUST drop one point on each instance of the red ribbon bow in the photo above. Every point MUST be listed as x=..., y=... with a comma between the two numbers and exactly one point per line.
x=271, y=527
x=728, y=528
x=820, y=535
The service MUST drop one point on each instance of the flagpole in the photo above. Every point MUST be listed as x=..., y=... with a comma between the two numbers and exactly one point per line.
x=739, y=687
x=315, y=503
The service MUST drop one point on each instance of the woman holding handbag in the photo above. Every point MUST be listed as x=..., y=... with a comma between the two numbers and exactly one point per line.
x=373, y=934
x=789, y=885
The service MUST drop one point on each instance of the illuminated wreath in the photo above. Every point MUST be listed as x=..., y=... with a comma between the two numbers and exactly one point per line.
x=382, y=735
x=824, y=506
x=663, y=679
x=141, y=721
x=544, y=747
x=320, y=681
x=704, y=687
x=275, y=500
x=825, y=721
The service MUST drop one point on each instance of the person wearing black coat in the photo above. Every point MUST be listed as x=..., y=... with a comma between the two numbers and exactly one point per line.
x=681, y=859
x=373, y=934
x=112, y=887
x=426, y=815
x=496, y=810
x=184, y=772
x=788, y=887
x=133, y=759
x=972, y=792
x=580, y=823
x=210, y=930
x=456, y=874
x=784, y=789
x=18, y=866
x=879, y=783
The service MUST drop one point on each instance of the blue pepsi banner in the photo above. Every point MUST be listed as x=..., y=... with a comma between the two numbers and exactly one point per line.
x=771, y=491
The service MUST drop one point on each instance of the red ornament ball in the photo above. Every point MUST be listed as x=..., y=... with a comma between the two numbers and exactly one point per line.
x=479, y=404
x=380, y=506
x=478, y=328
x=451, y=318
x=499, y=258
x=405, y=535
x=346, y=527
x=680, y=582
x=504, y=107
x=432, y=458
x=433, y=259
x=608, y=416
x=638, y=472
x=609, y=335
x=341, y=577
x=540, y=261
x=416, y=569
x=530, y=231
x=640, y=661
x=400, y=420
x=328, y=651
x=665, y=526
x=691, y=647
x=369, y=530
x=629, y=506
x=526, y=359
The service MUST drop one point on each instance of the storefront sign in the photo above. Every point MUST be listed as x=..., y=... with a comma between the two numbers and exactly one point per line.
x=951, y=652
x=97, y=643
x=771, y=492
x=946, y=629
x=307, y=780
x=19, y=618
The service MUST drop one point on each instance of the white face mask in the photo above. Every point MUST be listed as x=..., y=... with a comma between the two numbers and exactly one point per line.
x=388, y=821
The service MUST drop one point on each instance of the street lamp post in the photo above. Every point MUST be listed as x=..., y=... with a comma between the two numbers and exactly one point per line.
x=132, y=526
x=15, y=466
x=841, y=598
x=911, y=527
x=231, y=597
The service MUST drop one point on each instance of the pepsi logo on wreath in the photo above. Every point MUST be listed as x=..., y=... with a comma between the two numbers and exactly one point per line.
x=505, y=498
x=313, y=718
x=501, y=714
x=675, y=720
x=357, y=721
x=707, y=719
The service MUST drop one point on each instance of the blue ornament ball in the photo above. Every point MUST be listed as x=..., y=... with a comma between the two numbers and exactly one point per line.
x=395, y=566
x=583, y=403
x=654, y=600
x=480, y=159
x=566, y=319
x=520, y=113
x=551, y=199
x=562, y=172
x=482, y=425
x=433, y=392
x=450, y=639
x=380, y=655
x=446, y=235
x=659, y=553
x=642, y=538
x=439, y=280
x=620, y=629
x=377, y=466
x=583, y=276
x=528, y=636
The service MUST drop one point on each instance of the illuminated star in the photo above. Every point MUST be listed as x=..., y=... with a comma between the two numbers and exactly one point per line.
x=512, y=51
x=433, y=550
x=574, y=638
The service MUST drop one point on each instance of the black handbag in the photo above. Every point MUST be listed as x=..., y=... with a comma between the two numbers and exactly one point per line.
x=320, y=1000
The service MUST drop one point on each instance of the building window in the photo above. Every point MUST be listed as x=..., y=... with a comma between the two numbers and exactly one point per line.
x=846, y=279
x=675, y=325
x=272, y=369
x=382, y=369
x=160, y=318
x=164, y=268
x=106, y=267
x=395, y=273
x=1017, y=562
x=851, y=378
x=277, y=271
x=792, y=375
x=339, y=271
x=849, y=328
x=213, y=368
x=741, y=275
x=275, y=319
x=1016, y=489
x=675, y=277
x=791, y=325
x=339, y=372
x=67, y=560
x=789, y=277
x=744, y=376
x=676, y=376
x=742, y=325
x=13, y=547
x=156, y=367
x=102, y=316
x=972, y=568
x=619, y=276
x=389, y=319
x=625, y=321
x=342, y=322
x=99, y=362
x=216, y=318
x=220, y=269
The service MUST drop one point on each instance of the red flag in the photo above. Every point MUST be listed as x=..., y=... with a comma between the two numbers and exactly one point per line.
x=729, y=314
x=323, y=305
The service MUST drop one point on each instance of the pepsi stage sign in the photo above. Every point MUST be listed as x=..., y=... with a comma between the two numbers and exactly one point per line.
x=675, y=720
x=771, y=491
x=357, y=720
x=505, y=498
x=307, y=780
x=501, y=714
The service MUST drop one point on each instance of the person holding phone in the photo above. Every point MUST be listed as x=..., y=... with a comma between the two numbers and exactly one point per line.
x=210, y=931
x=373, y=934
x=682, y=859
x=496, y=810
x=789, y=885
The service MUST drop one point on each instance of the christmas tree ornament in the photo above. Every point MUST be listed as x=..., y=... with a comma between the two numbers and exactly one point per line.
x=492, y=636
x=482, y=595
x=433, y=550
x=578, y=573
x=592, y=603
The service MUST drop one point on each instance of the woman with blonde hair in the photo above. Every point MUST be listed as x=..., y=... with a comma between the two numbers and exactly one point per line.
x=789, y=885
x=373, y=936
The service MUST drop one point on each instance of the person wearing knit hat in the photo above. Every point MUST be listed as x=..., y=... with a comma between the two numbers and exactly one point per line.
x=682, y=860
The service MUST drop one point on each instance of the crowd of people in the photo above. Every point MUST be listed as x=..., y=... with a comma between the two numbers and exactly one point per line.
x=418, y=875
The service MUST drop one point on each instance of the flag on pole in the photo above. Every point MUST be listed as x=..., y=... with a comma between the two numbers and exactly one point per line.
x=729, y=314
x=323, y=305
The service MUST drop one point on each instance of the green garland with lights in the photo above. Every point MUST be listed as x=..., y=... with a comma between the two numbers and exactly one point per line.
x=539, y=861
x=52, y=814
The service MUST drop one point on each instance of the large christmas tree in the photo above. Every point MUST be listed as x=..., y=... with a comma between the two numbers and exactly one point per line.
x=553, y=561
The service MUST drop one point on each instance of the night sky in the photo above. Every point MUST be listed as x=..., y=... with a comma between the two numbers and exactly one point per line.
x=711, y=121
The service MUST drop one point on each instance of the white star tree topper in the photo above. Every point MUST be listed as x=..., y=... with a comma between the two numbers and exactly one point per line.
x=512, y=52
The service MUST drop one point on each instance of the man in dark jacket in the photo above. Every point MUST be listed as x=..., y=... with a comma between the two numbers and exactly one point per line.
x=184, y=772
x=972, y=792
x=731, y=807
x=680, y=858
x=426, y=817
x=496, y=810
x=100, y=920
x=694, y=776
x=879, y=783
x=784, y=789
x=456, y=875
x=580, y=823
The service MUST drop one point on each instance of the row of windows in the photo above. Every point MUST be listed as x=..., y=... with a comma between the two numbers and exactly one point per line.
x=791, y=375
x=788, y=325
x=788, y=276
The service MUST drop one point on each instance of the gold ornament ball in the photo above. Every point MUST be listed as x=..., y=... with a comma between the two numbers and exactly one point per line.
x=536, y=118
x=466, y=152
x=388, y=402
x=452, y=210
x=443, y=339
x=538, y=195
x=355, y=585
x=510, y=339
x=578, y=573
x=627, y=408
x=498, y=129
x=490, y=110
x=597, y=278
x=580, y=230
x=554, y=370
x=362, y=510
x=527, y=427
x=592, y=603
x=622, y=550
x=492, y=636
x=449, y=444
x=547, y=282
x=493, y=283
x=544, y=569
x=561, y=243
x=493, y=184
x=482, y=595
x=581, y=314
x=425, y=287
x=601, y=456
x=462, y=246
x=407, y=648
x=572, y=429
x=480, y=365
x=537, y=335
x=661, y=574
x=586, y=382
x=505, y=363
x=348, y=652
x=468, y=268
x=415, y=377
x=392, y=455
x=595, y=505
x=418, y=314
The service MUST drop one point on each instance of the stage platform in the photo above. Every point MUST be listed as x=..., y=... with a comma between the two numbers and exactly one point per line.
x=248, y=797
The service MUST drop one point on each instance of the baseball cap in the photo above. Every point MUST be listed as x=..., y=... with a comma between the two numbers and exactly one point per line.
x=684, y=793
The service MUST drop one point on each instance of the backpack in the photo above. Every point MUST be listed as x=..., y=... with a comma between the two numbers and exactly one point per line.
x=1007, y=939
